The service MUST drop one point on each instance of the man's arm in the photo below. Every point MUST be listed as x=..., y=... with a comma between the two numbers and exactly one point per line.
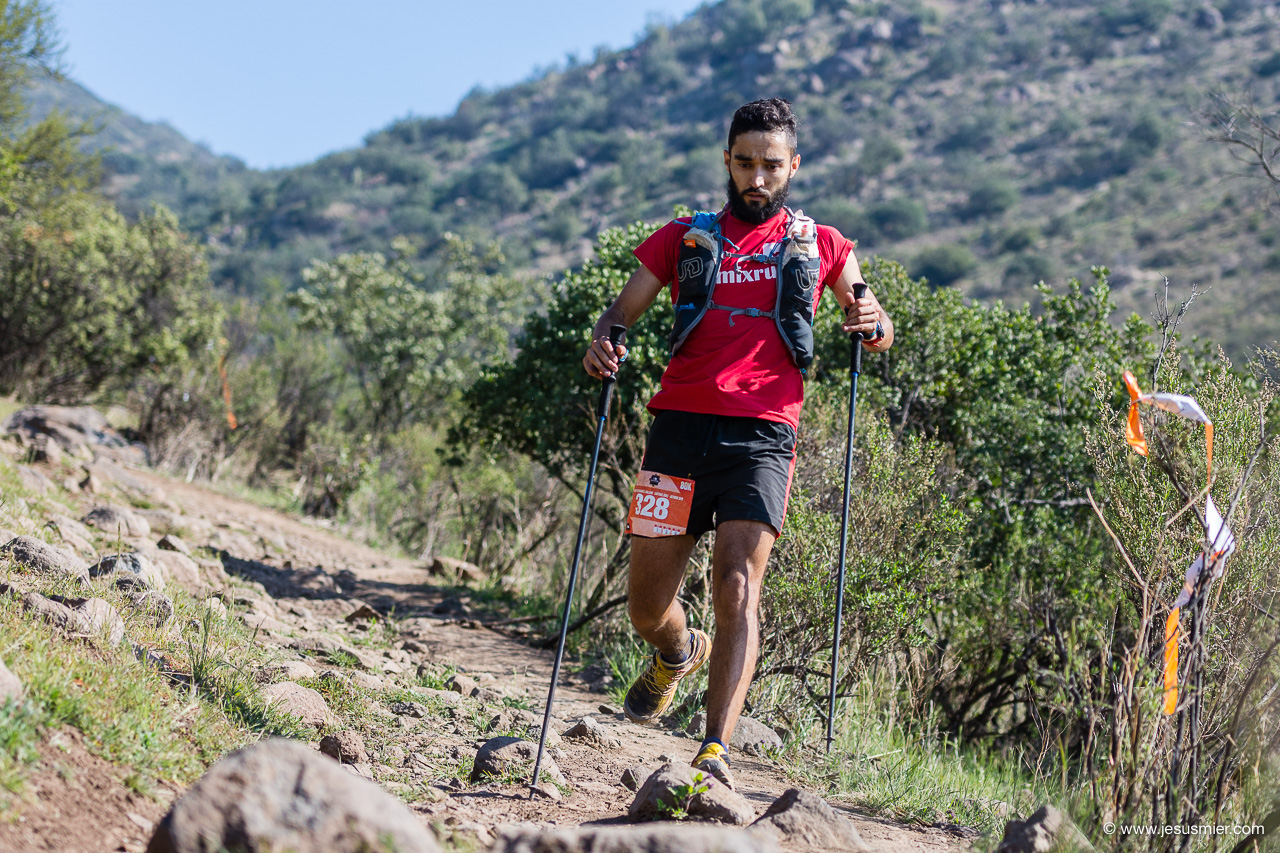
x=861, y=315
x=637, y=295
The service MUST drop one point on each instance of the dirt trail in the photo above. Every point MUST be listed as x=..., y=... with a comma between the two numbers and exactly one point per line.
x=500, y=660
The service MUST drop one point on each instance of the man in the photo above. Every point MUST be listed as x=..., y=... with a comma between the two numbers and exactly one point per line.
x=745, y=283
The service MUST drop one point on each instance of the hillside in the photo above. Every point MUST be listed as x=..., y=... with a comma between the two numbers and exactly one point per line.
x=146, y=162
x=1026, y=140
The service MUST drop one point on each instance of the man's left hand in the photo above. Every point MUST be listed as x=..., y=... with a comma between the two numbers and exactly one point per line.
x=861, y=315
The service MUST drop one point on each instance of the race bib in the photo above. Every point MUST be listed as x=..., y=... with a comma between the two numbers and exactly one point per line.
x=660, y=505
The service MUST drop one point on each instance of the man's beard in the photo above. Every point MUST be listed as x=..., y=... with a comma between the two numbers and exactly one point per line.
x=756, y=214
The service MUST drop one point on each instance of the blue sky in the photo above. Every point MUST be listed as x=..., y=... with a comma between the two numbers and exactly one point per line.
x=280, y=82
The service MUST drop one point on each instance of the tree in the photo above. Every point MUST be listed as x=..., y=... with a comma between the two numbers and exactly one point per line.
x=542, y=403
x=410, y=348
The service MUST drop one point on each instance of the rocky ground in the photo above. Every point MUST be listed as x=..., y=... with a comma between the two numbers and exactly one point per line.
x=392, y=673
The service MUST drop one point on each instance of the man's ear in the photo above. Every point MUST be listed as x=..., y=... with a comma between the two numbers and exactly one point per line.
x=795, y=163
x=726, y=159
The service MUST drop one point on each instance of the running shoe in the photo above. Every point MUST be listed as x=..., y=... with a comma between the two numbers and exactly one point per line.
x=713, y=759
x=651, y=694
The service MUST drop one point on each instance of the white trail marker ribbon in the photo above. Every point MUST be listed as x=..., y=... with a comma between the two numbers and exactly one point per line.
x=1219, y=540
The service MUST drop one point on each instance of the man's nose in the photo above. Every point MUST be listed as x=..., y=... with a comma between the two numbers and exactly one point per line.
x=758, y=179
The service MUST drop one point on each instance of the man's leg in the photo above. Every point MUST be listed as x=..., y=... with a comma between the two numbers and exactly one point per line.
x=737, y=573
x=657, y=570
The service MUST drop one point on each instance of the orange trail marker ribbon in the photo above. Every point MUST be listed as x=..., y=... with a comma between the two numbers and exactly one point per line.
x=1219, y=541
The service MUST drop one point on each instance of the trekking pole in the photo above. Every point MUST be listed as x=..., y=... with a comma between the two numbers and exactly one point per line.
x=617, y=334
x=855, y=367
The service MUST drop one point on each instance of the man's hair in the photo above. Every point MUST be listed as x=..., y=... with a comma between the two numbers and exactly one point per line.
x=770, y=115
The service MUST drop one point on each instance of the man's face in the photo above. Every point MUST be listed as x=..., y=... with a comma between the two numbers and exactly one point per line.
x=760, y=169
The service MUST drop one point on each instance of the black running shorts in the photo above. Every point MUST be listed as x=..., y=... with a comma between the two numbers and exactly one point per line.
x=741, y=467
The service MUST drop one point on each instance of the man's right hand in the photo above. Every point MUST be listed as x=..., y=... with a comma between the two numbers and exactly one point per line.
x=602, y=358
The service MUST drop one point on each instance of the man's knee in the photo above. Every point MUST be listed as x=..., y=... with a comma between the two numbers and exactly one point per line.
x=733, y=596
x=645, y=613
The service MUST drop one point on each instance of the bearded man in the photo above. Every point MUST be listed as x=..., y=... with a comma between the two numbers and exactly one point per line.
x=721, y=448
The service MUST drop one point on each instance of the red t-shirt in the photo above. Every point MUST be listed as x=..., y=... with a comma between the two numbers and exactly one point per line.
x=743, y=370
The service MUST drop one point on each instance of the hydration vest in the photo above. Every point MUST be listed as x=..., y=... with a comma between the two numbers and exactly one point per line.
x=796, y=259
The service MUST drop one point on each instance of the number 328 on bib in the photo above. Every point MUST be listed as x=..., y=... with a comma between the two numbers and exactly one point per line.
x=660, y=505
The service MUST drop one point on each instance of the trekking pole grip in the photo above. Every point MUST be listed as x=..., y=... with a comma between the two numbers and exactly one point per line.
x=617, y=336
x=855, y=351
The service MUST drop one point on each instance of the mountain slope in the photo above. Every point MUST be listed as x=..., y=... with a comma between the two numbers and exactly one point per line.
x=988, y=144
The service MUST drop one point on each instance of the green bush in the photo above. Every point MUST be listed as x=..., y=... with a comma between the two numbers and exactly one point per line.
x=1028, y=269
x=944, y=265
x=899, y=218
x=992, y=197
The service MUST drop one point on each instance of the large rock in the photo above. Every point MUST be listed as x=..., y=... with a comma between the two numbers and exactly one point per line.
x=656, y=838
x=1046, y=830
x=72, y=427
x=754, y=737
x=279, y=795
x=82, y=616
x=10, y=685
x=672, y=789
x=302, y=702
x=800, y=818
x=504, y=757
x=43, y=558
x=750, y=736
x=117, y=521
x=132, y=564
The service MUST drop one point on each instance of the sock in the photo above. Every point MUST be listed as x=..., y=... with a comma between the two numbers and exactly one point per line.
x=684, y=655
x=711, y=740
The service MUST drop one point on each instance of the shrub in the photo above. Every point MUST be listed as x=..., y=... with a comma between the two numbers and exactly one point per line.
x=899, y=218
x=1028, y=269
x=943, y=265
x=992, y=197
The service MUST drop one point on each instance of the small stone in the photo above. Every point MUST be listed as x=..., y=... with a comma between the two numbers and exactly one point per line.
x=362, y=612
x=10, y=685
x=302, y=702
x=608, y=710
x=1048, y=829
x=588, y=731
x=367, y=681
x=286, y=670
x=458, y=571
x=487, y=696
x=408, y=709
x=134, y=564
x=173, y=542
x=462, y=684
x=346, y=747
x=445, y=697
x=84, y=616
x=117, y=521
x=633, y=777
x=151, y=604
x=503, y=756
